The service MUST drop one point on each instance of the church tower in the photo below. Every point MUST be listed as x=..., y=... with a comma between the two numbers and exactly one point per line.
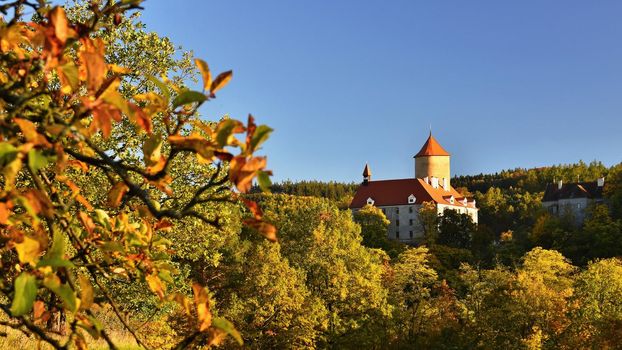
x=433, y=160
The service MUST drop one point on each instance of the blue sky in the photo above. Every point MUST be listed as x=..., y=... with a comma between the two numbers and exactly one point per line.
x=343, y=82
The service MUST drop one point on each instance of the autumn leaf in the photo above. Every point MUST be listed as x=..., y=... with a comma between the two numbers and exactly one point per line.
x=242, y=171
x=188, y=97
x=92, y=61
x=5, y=212
x=221, y=80
x=116, y=194
x=28, y=250
x=205, y=73
x=86, y=292
x=69, y=77
x=25, y=294
x=194, y=142
x=59, y=21
x=156, y=285
x=63, y=291
x=267, y=230
x=201, y=302
x=225, y=130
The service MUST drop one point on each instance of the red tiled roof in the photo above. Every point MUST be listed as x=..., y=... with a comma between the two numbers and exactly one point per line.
x=396, y=192
x=572, y=190
x=432, y=148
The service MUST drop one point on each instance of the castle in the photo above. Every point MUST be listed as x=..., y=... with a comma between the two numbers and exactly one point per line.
x=400, y=200
x=573, y=198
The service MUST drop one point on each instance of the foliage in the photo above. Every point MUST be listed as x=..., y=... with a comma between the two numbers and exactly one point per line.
x=69, y=117
x=374, y=226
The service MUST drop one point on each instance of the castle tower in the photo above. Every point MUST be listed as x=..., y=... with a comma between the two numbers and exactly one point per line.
x=433, y=160
x=366, y=174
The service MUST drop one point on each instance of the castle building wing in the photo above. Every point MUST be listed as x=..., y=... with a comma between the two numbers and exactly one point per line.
x=397, y=192
x=555, y=192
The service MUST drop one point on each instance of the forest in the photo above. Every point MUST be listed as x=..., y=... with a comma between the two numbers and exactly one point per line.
x=128, y=220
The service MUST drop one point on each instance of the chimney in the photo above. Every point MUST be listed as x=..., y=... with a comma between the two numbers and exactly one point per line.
x=434, y=182
x=560, y=183
x=445, y=184
x=426, y=179
x=600, y=182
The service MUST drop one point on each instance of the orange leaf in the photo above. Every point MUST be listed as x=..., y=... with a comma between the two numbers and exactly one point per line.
x=242, y=171
x=266, y=229
x=201, y=301
x=195, y=143
x=163, y=224
x=86, y=220
x=78, y=165
x=38, y=309
x=139, y=117
x=116, y=194
x=221, y=80
x=29, y=129
x=92, y=59
x=253, y=207
x=102, y=115
x=5, y=212
x=58, y=19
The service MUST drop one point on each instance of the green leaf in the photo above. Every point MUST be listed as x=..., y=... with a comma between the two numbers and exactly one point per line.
x=260, y=136
x=55, y=255
x=70, y=75
x=25, y=294
x=151, y=148
x=228, y=327
x=36, y=160
x=224, y=131
x=263, y=178
x=8, y=153
x=187, y=97
x=64, y=292
x=160, y=85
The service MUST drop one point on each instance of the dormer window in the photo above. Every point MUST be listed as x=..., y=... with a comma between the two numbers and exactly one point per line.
x=412, y=199
x=370, y=201
x=451, y=200
x=464, y=201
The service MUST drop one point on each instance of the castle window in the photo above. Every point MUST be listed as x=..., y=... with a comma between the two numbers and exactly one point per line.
x=397, y=234
x=410, y=222
x=397, y=210
x=410, y=209
x=411, y=234
x=412, y=199
x=397, y=222
x=370, y=201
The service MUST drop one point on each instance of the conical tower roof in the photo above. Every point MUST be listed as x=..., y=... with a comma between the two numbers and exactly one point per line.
x=366, y=171
x=431, y=148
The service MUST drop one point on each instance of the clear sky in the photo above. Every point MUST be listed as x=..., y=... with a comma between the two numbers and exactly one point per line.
x=504, y=84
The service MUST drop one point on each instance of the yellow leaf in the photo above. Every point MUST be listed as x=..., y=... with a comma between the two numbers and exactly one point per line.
x=205, y=73
x=86, y=293
x=28, y=250
x=201, y=301
x=156, y=285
